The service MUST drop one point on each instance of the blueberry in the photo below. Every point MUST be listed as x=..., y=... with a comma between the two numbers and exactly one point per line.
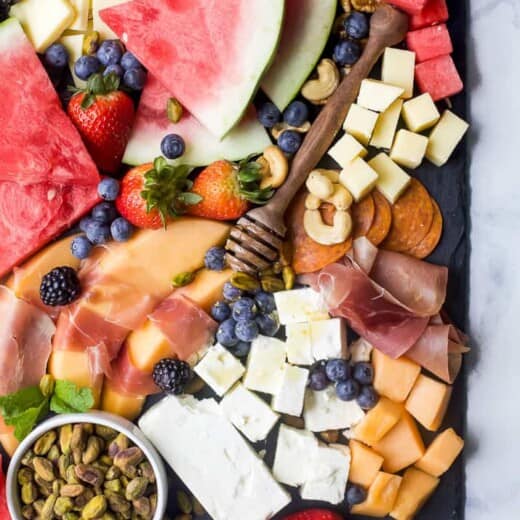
x=356, y=25
x=108, y=189
x=226, y=333
x=84, y=223
x=363, y=373
x=110, y=52
x=121, y=230
x=296, y=113
x=355, y=495
x=367, y=397
x=105, y=212
x=230, y=292
x=347, y=390
x=268, y=324
x=129, y=61
x=81, y=247
x=98, y=232
x=337, y=370
x=346, y=52
x=172, y=146
x=241, y=349
x=269, y=115
x=244, y=309
x=318, y=379
x=290, y=141
x=85, y=66
x=215, y=259
x=57, y=56
x=220, y=311
x=265, y=302
x=246, y=330
x=135, y=78
x=114, y=69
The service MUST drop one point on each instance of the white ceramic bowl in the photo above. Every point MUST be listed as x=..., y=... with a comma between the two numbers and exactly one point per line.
x=106, y=419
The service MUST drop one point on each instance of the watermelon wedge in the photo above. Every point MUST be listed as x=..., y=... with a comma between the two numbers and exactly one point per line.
x=210, y=55
x=306, y=29
x=47, y=178
x=202, y=147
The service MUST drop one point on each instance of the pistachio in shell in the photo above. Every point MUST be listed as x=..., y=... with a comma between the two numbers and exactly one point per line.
x=95, y=508
x=44, y=469
x=43, y=445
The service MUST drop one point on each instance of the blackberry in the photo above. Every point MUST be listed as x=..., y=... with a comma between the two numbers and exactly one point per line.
x=171, y=375
x=60, y=286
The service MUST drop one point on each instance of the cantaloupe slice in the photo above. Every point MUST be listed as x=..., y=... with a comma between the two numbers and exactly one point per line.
x=378, y=421
x=441, y=453
x=365, y=464
x=381, y=497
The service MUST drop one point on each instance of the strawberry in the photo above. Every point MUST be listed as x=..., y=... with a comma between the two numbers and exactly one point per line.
x=152, y=194
x=103, y=116
x=314, y=514
x=228, y=189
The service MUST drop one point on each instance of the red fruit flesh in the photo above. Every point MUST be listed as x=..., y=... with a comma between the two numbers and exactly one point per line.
x=435, y=11
x=314, y=514
x=430, y=42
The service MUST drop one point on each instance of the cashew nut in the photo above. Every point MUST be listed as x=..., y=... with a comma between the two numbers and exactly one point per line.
x=333, y=175
x=319, y=185
x=324, y=234
x=274, y=167
x=316, y=90
x=312, y=202
x=279, y=128
x=341, y=199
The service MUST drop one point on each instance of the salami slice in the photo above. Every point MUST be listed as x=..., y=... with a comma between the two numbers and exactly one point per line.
x=382, y=219
x=427, y=245
x=363, y=213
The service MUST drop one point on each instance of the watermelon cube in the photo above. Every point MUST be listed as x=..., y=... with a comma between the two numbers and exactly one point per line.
x=430, y=42
x=409, y=6
x=435, y=11
x=439, y=77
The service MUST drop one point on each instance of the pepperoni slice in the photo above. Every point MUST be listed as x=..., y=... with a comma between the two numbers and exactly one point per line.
x=363, y=213
x=382, y=219
x=427, y=245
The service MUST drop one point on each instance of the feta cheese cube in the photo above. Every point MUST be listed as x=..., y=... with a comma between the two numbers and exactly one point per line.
x=360, y=350
x=359, y=178
x=392, y=180
x=289, y=399
x=346, y=150
x=420, y=113
x=300, y=305
x=324, y=410
x=265, y=365
x=360, y=123
x=378, y=96
x=329, y=339
x=386, y=126
x=219, y=369
x=81, y=8
x=299, y=345
x=248, y=413
x=399, y=69
x=445, y=137
x=409, y=149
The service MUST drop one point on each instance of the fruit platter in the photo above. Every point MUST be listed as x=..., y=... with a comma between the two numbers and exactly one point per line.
x=234, y=259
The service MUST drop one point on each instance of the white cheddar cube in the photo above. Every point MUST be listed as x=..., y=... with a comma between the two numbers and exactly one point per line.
x=360, y=122
x=265, y=365
x=329, y=339
x=346, y=150
x=399, y=69
x=378, y=96
x=420, y=113
x=248, y=413
x=445, y=137
x=99, y=25
x=219, y=369
x=393, y=180
x=82, y=8
x=289, y=399
x=324, y=410
x=359, y=178
x=43, y=20
x=74, y=45
x=299, y=345
x=386, y=127
x=360, y=350
x=409, y=149
x=299, y=306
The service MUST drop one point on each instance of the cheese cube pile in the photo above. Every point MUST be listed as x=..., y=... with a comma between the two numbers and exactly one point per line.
x=409, y=149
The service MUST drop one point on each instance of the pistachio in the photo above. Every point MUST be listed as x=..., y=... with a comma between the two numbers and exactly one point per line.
x=114, y=485
x=118, y=444
x=153, y=502
x=48, y=508
x=28, y=493
x=88, y=428
x=128, y=457
x=143, y=507
x=54, y=454
x=95, y=508
x=244, y=281
x=136, y=488
x=57, y=485
x=64, y=462
x=45, y=443
x=118, y=504
x=145, y=470
x=25, y=476
x=70, y=475
x=72, y=490
x=47, y=384
x=317, y=90
x=130, y=472
x=27, y=459
x=77, y=443
x=83, y=499
x=93, y=450
x=184, y=502
x=113, y=472
x=89, y=474
x=272, y=284
x=105, y=432
x=197, y=507
x=71, y=516
x=65, y=438
x=174, y=110
x=38, y=505
x=63, y=505
x=44, y=486
x=28, y=512
x=44, y=468
x=106, y=460
x=124, y=480
x=182, y=279
x=108, y=516
x=91, y=42
x=288, y=277
x=279, y=128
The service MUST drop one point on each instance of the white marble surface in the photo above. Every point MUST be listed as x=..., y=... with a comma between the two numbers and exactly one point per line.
x=493, y=454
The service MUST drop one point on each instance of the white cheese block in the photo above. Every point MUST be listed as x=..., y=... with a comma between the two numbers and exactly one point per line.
x=213, y=459
x=445, y=137
x=399, y=69
x=359, y=178
x=74, y=45
x=420, y=113
x=219, y=369
x=360, y=123
x=346, y=150
x=386, y=126
x=298, y=343
x=289, y=399
x=82, y=8
x=409, y=149
x=324, y=410
x=99, y=25
x=378, y=96
x=248, y=413
x=329, y=339
x=43, y=20
x=360, y=350
x=300, y=305
x=265, y=365
x=392, y=179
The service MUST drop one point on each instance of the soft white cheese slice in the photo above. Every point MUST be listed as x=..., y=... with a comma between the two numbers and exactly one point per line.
x=299, y=345
x=329, y=339
x=300, y=305
x=289, y=398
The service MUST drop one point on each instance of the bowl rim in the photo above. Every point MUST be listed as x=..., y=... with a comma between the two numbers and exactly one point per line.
x=120, y=424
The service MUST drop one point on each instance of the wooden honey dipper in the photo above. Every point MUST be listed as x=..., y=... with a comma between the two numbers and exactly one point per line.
x=257, y=238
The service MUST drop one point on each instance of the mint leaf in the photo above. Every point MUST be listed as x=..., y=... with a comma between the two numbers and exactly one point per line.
x=15, y=404
x=68, y=398
x=25, y=421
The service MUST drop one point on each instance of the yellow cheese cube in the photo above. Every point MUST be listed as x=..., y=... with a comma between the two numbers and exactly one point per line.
x=399, y=69
x=346, y=150
x=74, y=45
x=445, y=137
x=402, y=446
x=420, y=113
x=381, y=497
x=409, y=149
x=360, y=122
x=392, y=180
x=441, y=453
x=378, y=96
x=81, y=8
x=386, y=126
x=394, y=378
x=359, y=178
x=364, y=465
x=428, y=401
x=99, y=25
x=416, y=487
x=378, y=421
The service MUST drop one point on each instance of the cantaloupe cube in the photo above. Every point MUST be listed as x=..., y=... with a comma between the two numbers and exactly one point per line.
x=381, y=497
x=125, y=405
x=441, y=453
x=428, y=401
x=378, y=421
x=394, y=378
x=409, y=149
x=365, y=464
x=416, y=487
x=401, y=446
